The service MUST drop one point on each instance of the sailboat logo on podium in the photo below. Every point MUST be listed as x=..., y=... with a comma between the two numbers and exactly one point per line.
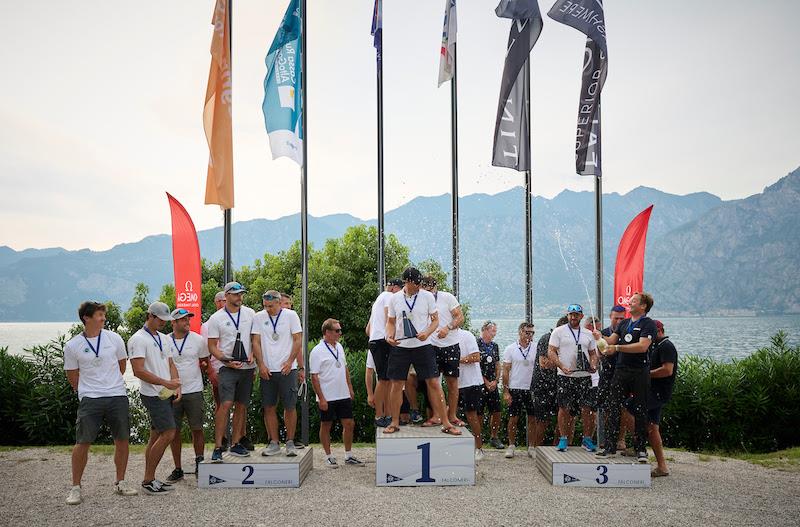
x=213, y=480
x=409, y=331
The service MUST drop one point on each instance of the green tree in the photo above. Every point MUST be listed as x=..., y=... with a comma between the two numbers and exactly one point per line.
x=136, y=315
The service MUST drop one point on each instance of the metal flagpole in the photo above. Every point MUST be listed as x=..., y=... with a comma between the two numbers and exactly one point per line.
x=598, y=209
x=227, y=272
x=381, y=227
x=528, y=193
x=454, y=165
x=304, y=218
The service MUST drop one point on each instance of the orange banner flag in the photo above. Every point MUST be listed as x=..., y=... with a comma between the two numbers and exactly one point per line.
x=217, y=113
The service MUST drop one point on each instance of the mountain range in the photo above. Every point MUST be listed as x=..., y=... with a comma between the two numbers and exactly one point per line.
x=704, y=255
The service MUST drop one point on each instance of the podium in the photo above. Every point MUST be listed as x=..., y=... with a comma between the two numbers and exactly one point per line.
x=421, y=456
x=256, y=471
x=578, y=468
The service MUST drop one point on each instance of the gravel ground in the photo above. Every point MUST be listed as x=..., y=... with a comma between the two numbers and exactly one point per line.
x=507, y=492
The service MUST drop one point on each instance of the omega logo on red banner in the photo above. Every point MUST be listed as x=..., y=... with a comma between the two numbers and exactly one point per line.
x=625, y=300
x=188, y=296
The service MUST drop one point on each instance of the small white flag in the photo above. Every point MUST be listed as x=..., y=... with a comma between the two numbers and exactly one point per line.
x=447, y=60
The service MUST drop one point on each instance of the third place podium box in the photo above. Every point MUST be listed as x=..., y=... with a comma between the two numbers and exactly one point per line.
x=421, y=456
x=256, y=471
x=578, y=468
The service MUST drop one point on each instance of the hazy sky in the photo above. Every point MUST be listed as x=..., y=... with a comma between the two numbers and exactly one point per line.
x=101, y=108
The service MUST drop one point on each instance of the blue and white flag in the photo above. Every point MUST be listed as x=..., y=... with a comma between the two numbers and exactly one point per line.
x=447, y=59
x=377, y=29
x=283, y=103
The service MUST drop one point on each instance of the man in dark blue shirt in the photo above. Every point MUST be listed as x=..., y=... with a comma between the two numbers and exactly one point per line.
x=631, y=341
x=663, y=370
x=490, y=358
x=607, y=364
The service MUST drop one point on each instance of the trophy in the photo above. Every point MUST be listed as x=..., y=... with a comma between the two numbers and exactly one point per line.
x=409, y=331
x=239, y=354
x=581, y=361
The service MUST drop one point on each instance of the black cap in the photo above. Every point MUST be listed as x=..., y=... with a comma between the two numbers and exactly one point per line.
x=412, y=274
x=396, y=282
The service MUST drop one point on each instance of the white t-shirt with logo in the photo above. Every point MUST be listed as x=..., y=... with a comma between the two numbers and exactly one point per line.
x=468, y=374
x=445, y=304
x=98, y=376
x=276, y=352
x=563, y=338
x=521, y=360
x=222, y=326
x=144, y=345
x=186, y=354
x=424, y=306
x=377, y=317
x=332, y=379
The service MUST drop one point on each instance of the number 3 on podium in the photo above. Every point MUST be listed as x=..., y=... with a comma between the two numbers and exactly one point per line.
x=426, y=464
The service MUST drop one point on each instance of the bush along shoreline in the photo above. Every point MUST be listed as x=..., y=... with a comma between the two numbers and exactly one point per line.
x=747, y=405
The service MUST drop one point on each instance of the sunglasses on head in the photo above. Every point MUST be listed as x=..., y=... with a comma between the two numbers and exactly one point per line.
x=182, y=312
x=574, y=308
x=271, y=297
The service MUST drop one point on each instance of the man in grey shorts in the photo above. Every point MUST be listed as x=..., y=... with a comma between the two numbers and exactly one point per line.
x=94, y=361
x=280, y=342
x=159, y=382
x=190, y=354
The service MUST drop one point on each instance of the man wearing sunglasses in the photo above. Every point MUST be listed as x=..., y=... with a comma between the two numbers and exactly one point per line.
x=574, y=352
x=518, y=359
x=281, y=342
x=631, y=341
x=189, y=352
x=411, y=319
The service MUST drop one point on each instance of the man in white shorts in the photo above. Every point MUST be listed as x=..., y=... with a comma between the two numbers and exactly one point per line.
x=190, y=354
x=331, y=381
x=159, y=383
x=94, y=362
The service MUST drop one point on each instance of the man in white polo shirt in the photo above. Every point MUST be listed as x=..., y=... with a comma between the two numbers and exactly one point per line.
x=281, y=341
x=94, y=362
x=470, y=385
x=448, y=355
x=517, y=374
x=376, y=332
x=331, y=381
x=230, y=336
x=159, y=383
x=412, y=318
x=189, y=352
x=574, y=352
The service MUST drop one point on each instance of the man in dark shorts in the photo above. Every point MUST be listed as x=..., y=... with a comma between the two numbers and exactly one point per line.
x=445, y=342
x=376, y=332
x=330, y=379
x=94, y=362
x=663, y=370
x=607, y=364
x=631, y=341
x=543, y=387
x=470, y=386
x=411, y=319
x=152, y=363
x=490, y=361
x=518, y=359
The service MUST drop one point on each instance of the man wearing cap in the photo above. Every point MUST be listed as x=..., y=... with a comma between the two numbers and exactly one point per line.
x=518, y=361
x=94, y=362
x=411, y=319
x=631, y=341
x=230, y=342
x=281, y=341
x=663, y=370
x=376, y=332
x=490, y=360
x=470, y=386
x=159, y=383
x=331, y=381
x=574, y=352
x=189, y=352
x=544, y=385
x=448, y=355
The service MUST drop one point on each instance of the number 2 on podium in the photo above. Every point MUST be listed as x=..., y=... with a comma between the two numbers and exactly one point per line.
x=426, y=464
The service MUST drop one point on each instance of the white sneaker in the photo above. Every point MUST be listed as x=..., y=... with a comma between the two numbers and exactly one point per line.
x=330, y=462
x=478, y=454
x=530, y=452
x=74, y=496
x=123, y=488
x=510, y=452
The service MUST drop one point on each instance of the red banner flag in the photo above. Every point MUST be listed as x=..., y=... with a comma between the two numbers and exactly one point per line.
x=629, y=271
x=186, y=263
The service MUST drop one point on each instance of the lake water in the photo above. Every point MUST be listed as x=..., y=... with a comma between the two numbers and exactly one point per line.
x=722, y=338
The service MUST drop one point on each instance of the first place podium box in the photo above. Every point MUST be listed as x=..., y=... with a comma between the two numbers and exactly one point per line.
x=421, y=456
x=578, y=468
x=256, y=471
